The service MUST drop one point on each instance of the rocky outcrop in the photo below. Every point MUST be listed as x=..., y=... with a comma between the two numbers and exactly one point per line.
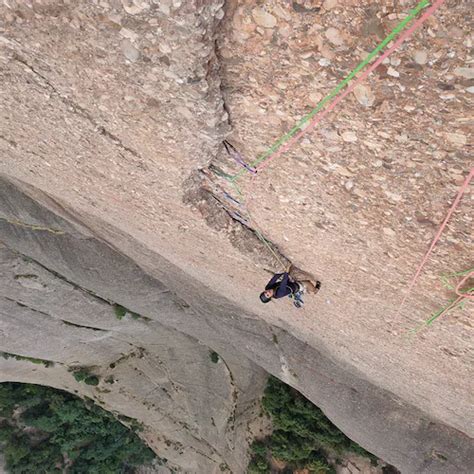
x=59, y=283
x=195, y=407
x=110, y=107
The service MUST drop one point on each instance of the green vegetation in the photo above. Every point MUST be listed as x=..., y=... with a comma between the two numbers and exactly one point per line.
x=214, y=357
x=302, y=435
x=259, y=463
x=121, y=311
x=132, y=423
x=83, y=374
x=45, y=430
x=8, y=355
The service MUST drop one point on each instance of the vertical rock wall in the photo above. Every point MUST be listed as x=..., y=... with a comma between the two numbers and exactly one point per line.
x=108, y=108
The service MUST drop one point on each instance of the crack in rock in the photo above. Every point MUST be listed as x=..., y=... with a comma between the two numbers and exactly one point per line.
x=77, y=109
x=32, y=226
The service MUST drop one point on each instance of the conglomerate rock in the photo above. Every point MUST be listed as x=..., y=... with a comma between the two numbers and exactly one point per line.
x=111, y=112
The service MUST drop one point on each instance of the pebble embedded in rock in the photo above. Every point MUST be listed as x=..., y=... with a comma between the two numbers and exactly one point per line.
x=133, y=7
x=164, y=48
x=349, y=137
x=330, y=134
x=392, y=72
x=263, y=18
x=334, y=36
x=281, y=12
x=393, y=196
x=447, y=96
x=315, y=97
x=420, y=56
x=389, y=232
x=344, y=171
x=364, y=95
x=126, y=33
x=466, y=72
x=185, y=112
x=329, y=4
x=130, y=51
x=457, y=139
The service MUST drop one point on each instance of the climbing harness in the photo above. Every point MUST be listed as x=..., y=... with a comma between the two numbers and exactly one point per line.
x=297, y=297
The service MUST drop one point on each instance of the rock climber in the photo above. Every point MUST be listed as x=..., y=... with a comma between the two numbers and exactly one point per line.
x=292, y=283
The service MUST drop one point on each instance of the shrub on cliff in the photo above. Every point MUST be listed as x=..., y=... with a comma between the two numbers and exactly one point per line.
x=47, y=430
x=84, y=375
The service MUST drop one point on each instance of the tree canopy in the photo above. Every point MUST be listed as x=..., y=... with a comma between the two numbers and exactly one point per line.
x=45, y=430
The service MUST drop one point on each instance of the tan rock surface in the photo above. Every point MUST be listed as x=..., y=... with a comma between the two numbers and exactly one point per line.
x=109, y=108
x=366, y=238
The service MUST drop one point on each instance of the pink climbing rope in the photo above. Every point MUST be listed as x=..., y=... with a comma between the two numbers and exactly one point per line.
x=461, y=283
x=436, y=238
x=361, y=78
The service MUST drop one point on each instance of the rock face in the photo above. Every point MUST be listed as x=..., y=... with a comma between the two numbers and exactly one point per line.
x=112, y=111
x=196, y=411
x=157, y=367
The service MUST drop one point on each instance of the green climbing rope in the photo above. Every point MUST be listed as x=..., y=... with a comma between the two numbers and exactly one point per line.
x=395, y=32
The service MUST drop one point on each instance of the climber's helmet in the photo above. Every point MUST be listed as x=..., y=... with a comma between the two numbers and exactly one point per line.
x=266, y=296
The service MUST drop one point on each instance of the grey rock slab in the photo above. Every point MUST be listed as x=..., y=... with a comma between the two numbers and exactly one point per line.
x=357, y=406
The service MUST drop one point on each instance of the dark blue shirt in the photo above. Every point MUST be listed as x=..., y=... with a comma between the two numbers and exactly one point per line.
x=282, y=285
